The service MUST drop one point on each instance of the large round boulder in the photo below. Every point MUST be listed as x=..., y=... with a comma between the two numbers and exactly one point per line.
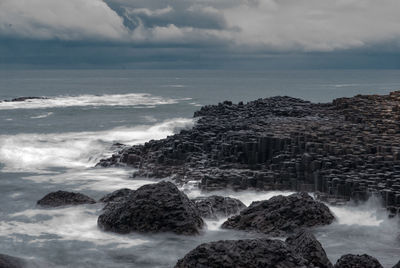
x=214, y=207
x=281, y=215
x=306, y=245
x=357, y=261
x=249, y=253
x=63, y=198
x=152, y=208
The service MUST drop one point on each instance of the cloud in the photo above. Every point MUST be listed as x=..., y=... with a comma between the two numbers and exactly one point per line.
x=239, y=25
x=60, y=19
x=314, y=25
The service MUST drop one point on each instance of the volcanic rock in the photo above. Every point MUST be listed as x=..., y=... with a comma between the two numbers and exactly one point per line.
x=214, y=207
x=306, y=245
x=281, y=215
x=397, y=265
x=63, y=198
x=250, y=253
x=357, y=261
x=152, y=208
x=117, y=195
x=20, y=99
x=345, y=149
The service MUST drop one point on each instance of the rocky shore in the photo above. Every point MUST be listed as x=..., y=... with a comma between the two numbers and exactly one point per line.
x=343, y=150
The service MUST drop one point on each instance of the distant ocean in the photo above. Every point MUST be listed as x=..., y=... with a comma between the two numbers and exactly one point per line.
x=54, y=143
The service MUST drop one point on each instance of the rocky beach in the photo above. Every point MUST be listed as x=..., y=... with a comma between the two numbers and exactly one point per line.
x=321, y=154
x=344, y=150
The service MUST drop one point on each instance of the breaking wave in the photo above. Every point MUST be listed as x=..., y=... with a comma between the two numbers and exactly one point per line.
x=132, y=99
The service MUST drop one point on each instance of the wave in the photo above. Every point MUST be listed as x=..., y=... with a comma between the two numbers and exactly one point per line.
x=133, y=99
x=42, y=115
x=70, y=223
x=41, y=152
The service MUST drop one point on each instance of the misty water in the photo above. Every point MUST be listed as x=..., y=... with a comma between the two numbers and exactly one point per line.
x=52, y=144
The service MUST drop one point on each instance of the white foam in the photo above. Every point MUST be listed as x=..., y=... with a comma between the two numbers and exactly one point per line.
x=132, y=99
x=70, y=223
x=42, y=115
x=38, y=152
x=96, y=179
x=246, y=196
x=369, y=213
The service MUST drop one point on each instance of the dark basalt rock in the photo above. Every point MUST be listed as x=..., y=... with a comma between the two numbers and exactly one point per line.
x=19, y=99
x=7, y=261
x=397, y=265
x=63, y=198
x=157, y=207
x=117, y=195
x=214, y=207
x=346, y=149
x=357, y=261
x=281, y=215
x=251, y=253
x=306, y=245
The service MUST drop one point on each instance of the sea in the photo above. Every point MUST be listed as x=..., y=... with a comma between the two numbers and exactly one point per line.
x=54, y=144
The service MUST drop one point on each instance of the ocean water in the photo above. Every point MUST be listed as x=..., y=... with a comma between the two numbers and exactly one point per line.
x=52, y=144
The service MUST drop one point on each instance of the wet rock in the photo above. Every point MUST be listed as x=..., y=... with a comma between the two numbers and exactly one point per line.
x=214, y=207
x=281, y=215
x=357, y=261
x=7, y=261
x=152, y=208
x=63, y=198
x=243, y=253
x=306, y=245
x=19, y=99
x=117, y=195
x=347, y=149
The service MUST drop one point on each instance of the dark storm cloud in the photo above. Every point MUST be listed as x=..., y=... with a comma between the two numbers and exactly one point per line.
x=282, y=25
x=203, y=32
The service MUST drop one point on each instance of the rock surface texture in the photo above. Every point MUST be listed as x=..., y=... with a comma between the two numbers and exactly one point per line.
x=346, y=149
x=249, y=253
x=305, y=244
x=357, y=261
x=214, y=207
x=117, y=195
x=63, y=198
x=281, y=215
x=152, y=208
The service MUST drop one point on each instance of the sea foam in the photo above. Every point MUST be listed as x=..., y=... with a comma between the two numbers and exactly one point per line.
x=133, y=99
x=39, y=152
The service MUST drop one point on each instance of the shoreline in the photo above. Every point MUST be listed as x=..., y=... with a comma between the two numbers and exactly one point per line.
x=343, y=150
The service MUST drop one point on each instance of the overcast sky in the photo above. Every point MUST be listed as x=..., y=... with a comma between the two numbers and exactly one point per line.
x=347, y=33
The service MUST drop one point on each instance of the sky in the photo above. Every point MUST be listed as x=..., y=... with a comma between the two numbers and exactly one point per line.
x=200, y=33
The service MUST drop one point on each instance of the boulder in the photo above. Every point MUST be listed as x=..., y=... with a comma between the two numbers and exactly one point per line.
x=248, y=253
x=7, y=261
x=397, y=265
x=63, y=198
x=281, y=215
x=306, y=245
x=214, y=207
x=152, y=208
x=117, y=195
x=357, y=261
